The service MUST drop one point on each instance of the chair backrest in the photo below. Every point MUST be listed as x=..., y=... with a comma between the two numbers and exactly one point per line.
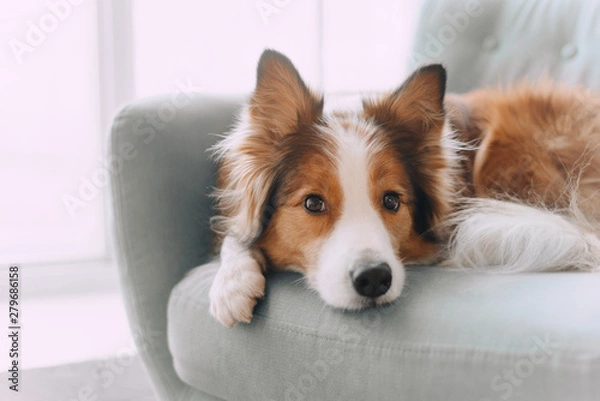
x=490, y=42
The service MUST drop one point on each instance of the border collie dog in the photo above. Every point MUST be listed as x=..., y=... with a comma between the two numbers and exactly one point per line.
x=501, y=180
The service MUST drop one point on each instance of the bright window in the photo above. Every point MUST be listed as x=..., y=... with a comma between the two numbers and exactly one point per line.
x=51, y=139
x=68, y=64
x=215, y=45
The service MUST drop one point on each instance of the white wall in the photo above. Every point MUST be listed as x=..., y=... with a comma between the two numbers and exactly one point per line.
x=366, y=45
x=216, y=44
x=338, y=46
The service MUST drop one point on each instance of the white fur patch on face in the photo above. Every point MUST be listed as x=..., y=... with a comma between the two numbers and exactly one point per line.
x=359, y=235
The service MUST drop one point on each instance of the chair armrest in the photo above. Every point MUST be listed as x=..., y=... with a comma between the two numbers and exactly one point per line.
x=161, y=175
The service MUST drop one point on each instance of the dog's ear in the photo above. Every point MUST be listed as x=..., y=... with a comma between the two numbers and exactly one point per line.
x=413, y=117
x=281, y=102
x=280, y=105
x=416, y=106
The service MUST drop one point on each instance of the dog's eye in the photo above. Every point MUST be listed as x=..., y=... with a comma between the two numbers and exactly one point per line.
x=314, y=204
x=391, y=201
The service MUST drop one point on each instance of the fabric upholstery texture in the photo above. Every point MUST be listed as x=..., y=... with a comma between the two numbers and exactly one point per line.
x=452, y=336
x=490, y=42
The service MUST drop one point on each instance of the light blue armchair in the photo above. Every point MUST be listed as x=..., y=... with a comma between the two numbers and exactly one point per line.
x=452, y=335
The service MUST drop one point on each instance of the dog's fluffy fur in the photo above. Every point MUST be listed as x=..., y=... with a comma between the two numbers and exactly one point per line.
x=503, y=180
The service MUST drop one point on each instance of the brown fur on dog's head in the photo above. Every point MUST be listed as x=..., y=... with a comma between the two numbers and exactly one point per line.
x=413, y=118
x=281, y=105
x=283, y=144
x=286, y=151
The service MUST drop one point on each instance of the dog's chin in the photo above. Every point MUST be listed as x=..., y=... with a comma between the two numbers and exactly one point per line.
x=367, y=303
x=346, y=298
x=359, y=302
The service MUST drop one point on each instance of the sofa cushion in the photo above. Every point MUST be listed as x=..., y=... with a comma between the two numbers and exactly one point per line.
x=453, y=335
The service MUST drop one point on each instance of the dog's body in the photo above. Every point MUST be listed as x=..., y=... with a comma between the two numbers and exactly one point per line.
x=489, y=179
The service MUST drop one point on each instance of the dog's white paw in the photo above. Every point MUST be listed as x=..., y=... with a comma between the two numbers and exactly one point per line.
x=235, y=290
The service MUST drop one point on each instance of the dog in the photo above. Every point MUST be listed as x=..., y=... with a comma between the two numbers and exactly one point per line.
x=503, y=180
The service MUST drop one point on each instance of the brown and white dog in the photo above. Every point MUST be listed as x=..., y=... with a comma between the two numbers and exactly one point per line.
x=505, y=180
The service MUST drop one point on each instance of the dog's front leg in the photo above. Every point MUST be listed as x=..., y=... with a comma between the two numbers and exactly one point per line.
x=239, y=283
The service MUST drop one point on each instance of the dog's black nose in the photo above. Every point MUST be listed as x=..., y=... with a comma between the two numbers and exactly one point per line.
x=372, y=280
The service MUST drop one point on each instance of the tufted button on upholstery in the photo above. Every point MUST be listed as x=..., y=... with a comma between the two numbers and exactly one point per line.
x=568, y=51
x=490, y=44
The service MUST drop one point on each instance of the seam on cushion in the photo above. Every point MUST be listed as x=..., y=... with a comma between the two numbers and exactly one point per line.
x=428, y=349
x=133, y=293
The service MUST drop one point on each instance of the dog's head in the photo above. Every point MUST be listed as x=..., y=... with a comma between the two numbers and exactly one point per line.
x=344, y=198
